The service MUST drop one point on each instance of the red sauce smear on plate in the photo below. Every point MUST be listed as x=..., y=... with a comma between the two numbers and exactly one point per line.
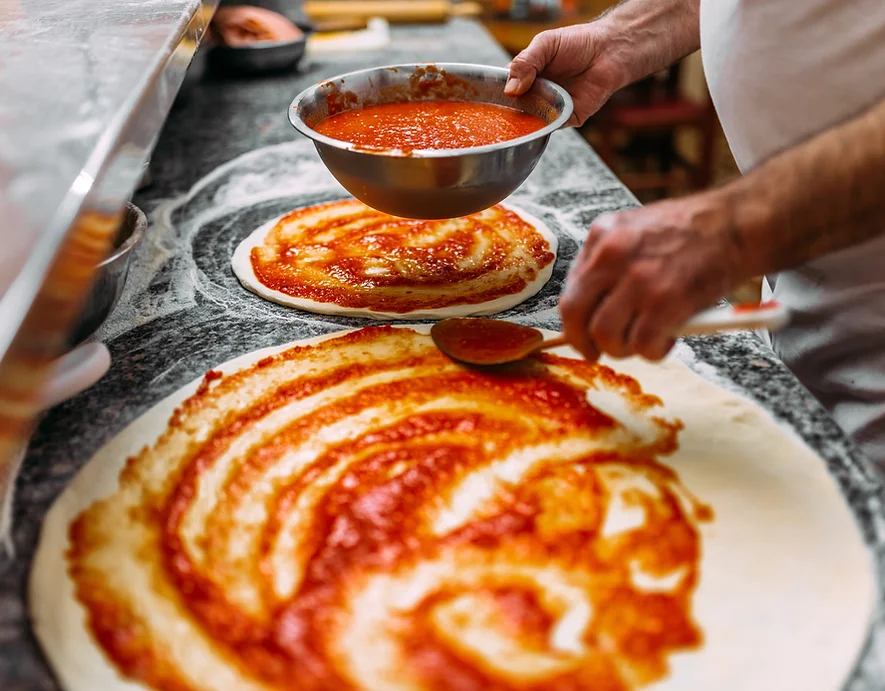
x=416, y=125
x=745, y=307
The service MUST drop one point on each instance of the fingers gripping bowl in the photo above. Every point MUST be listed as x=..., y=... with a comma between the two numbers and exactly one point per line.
x=429, y=183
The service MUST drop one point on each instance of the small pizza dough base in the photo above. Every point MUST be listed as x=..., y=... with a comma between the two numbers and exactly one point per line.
x=241, y=263
x=787, y=589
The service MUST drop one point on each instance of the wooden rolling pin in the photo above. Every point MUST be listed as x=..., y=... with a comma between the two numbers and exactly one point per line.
x=394, y=11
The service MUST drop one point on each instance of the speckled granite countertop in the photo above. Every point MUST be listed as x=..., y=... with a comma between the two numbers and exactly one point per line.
x=228, y=161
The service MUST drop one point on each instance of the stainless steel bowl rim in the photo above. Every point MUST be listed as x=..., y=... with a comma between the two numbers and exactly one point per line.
x=310, y=133
x=306, y=30
x=139, y=226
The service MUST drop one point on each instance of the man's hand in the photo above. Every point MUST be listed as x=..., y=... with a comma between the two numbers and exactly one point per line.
x=575, y=58
x=643, y=273
x=592, y=61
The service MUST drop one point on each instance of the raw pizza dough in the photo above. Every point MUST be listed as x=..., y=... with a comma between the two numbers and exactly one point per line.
x=785, y=588
x=520, y=263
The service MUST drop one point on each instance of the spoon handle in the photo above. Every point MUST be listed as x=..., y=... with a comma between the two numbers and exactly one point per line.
x=557, y=342
x=766, y=315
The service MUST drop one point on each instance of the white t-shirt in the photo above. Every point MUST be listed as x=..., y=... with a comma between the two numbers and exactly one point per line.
x=779, y=72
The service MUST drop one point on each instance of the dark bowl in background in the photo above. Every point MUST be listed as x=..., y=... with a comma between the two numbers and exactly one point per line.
x=260, y=58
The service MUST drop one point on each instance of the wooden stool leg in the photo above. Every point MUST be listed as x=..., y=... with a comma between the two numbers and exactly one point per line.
x=667, y=158
x=704, y=170
x=606, y=149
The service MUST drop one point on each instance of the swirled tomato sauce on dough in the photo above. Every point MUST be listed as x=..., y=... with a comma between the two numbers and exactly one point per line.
x=347, y=254
x=416, y=125
x=371, y=511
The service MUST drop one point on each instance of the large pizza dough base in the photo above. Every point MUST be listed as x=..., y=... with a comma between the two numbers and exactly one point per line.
x=787, y=586
x=241, y=263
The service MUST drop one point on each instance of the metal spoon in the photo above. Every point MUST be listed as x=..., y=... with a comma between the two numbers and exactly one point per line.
x=477, y=341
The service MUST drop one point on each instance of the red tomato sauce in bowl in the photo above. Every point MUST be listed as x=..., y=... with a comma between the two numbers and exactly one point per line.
x=416, y=125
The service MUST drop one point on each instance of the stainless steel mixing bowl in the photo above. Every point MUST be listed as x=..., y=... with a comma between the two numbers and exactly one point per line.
x=429, y=184
x=110, y=276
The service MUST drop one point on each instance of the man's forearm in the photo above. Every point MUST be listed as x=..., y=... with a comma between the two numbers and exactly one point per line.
x=652, y=34
x=818, y=197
